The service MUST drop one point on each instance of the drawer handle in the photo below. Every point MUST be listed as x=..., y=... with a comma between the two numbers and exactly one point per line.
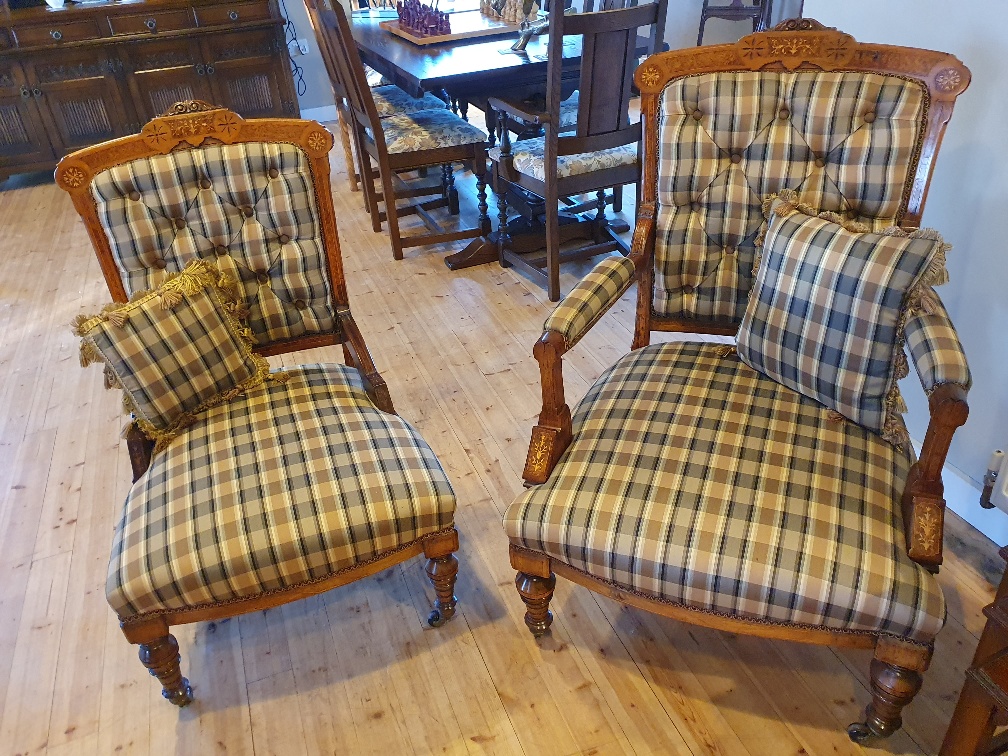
x=151, y=24
x=200, y=69
x=209, y=69
x=36, y=92
x=233, y=15
x=56, y=34
x=25, y=93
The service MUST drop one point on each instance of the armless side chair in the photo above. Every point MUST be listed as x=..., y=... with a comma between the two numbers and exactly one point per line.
x=297, y=486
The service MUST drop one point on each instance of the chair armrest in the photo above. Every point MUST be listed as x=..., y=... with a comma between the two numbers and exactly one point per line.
x=935, y=349
x=140, y=448
x=357, y=355
x=519, y=110
x=591, y=299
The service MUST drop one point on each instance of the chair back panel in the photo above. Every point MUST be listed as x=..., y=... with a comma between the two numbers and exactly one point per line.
x=255, y=207
x=853, y=128
x=845, y=141
x=315, y=8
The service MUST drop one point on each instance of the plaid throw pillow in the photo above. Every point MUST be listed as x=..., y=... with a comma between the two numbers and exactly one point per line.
x=828, y=308
x=174, y=351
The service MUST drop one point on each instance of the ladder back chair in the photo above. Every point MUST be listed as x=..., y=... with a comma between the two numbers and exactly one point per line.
x=695, y=479
x=598, y=151
x=405, y=142
x=291, y=486
x=737, y=10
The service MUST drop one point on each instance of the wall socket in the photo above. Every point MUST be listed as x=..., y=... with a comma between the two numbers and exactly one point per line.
x=302, y=45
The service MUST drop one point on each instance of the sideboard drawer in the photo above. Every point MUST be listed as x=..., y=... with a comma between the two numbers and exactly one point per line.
x=57, y=32
x=152, y=23
x=231, y=13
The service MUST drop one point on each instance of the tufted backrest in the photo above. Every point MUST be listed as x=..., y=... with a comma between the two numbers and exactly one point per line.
x=852, y=127
x=845, y=141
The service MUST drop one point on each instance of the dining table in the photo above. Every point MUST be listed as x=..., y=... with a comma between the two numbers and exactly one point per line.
x=468, y=71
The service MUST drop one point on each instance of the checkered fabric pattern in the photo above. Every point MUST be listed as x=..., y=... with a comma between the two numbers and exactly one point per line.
x=390, y=100
x=693, y=479
x=934, y=346
x=428, y=130
x=529, y=157
x=827, y=309
x=591, y=298
x=288, y=484
x=847, y=142
x=174, y=351
x=251, y=206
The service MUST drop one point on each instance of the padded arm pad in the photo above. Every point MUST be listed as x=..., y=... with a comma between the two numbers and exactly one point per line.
x=934, y=346
x=590, y=299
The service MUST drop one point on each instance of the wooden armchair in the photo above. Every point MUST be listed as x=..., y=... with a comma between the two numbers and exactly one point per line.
x=404, y=142
x=688, y=483
x=598, y=151
x=306, y=482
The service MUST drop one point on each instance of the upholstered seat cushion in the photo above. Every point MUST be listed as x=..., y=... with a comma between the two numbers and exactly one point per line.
x=289, y=484
x=428, y=130
x=529, y=158
x=390, y=100
x=693, y=479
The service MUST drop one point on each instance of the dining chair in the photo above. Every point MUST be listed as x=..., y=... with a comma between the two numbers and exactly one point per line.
x=389, y=99
x=277, y=488
x=737, y=10
x=598, y=152
x=765, y=487
x=405, y=142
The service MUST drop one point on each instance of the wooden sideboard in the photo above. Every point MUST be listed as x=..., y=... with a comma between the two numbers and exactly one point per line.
x=84, y=73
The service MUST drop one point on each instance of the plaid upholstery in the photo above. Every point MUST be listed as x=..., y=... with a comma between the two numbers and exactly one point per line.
x=390, y=100
x=848, y=142
x=827, y=310
x=589, y=300
x=529, y=157
x=250, y=206
x=290, y=483
x=428, y=130
x=694, y=479
x=174, y=351
x=934, y=346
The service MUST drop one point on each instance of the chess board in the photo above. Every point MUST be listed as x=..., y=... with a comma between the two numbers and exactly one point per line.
x=469, y=24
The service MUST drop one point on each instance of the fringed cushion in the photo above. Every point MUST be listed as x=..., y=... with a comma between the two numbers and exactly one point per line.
x=829, y=305
x=390, y=100
x=428, y=130
x=724, y=491
x=249, y=207
x=848, y=142
x=286, y=485
x=174, y=351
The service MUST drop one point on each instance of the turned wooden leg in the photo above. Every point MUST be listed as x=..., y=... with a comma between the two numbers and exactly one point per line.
x=536, y=592
x=893, y=688
x=161, y=657
x=442, y=569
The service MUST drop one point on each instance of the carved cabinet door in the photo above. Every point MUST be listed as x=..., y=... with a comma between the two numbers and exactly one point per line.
x=165, y=72
x=23, y=138
x=82, y=93
x=248, y=76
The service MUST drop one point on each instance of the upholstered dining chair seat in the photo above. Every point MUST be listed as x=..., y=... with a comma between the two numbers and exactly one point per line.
x=391, y=100
x=287, y=485
x=529, y=157
x=428, y=130
x=695, y=480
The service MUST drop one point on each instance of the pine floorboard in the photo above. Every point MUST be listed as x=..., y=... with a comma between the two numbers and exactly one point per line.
x=357, y=670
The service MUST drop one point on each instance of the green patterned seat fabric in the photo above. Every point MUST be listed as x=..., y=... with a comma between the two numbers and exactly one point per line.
x=286, y=485
x=250, y=207
x=390, y=100
x=695, y=480
x=934, y=346
x=846, y=142
x=428, y=130
x=529, y=157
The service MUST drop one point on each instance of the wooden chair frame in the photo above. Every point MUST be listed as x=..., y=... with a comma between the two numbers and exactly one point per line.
x=759, y=12
x=795, y=44
x=192, y=124
x=603, y=123
x=369, y=139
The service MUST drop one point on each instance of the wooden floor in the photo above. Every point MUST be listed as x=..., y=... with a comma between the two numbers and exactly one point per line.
x=357, y=670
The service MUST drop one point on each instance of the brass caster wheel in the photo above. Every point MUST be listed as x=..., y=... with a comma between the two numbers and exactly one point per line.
x=436, y=618
x=860, y=733
x=181, y=697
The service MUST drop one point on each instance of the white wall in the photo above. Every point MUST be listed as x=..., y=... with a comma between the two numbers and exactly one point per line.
x=968, y=203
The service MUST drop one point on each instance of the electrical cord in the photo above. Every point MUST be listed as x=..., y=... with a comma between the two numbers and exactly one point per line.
x=296, y=69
